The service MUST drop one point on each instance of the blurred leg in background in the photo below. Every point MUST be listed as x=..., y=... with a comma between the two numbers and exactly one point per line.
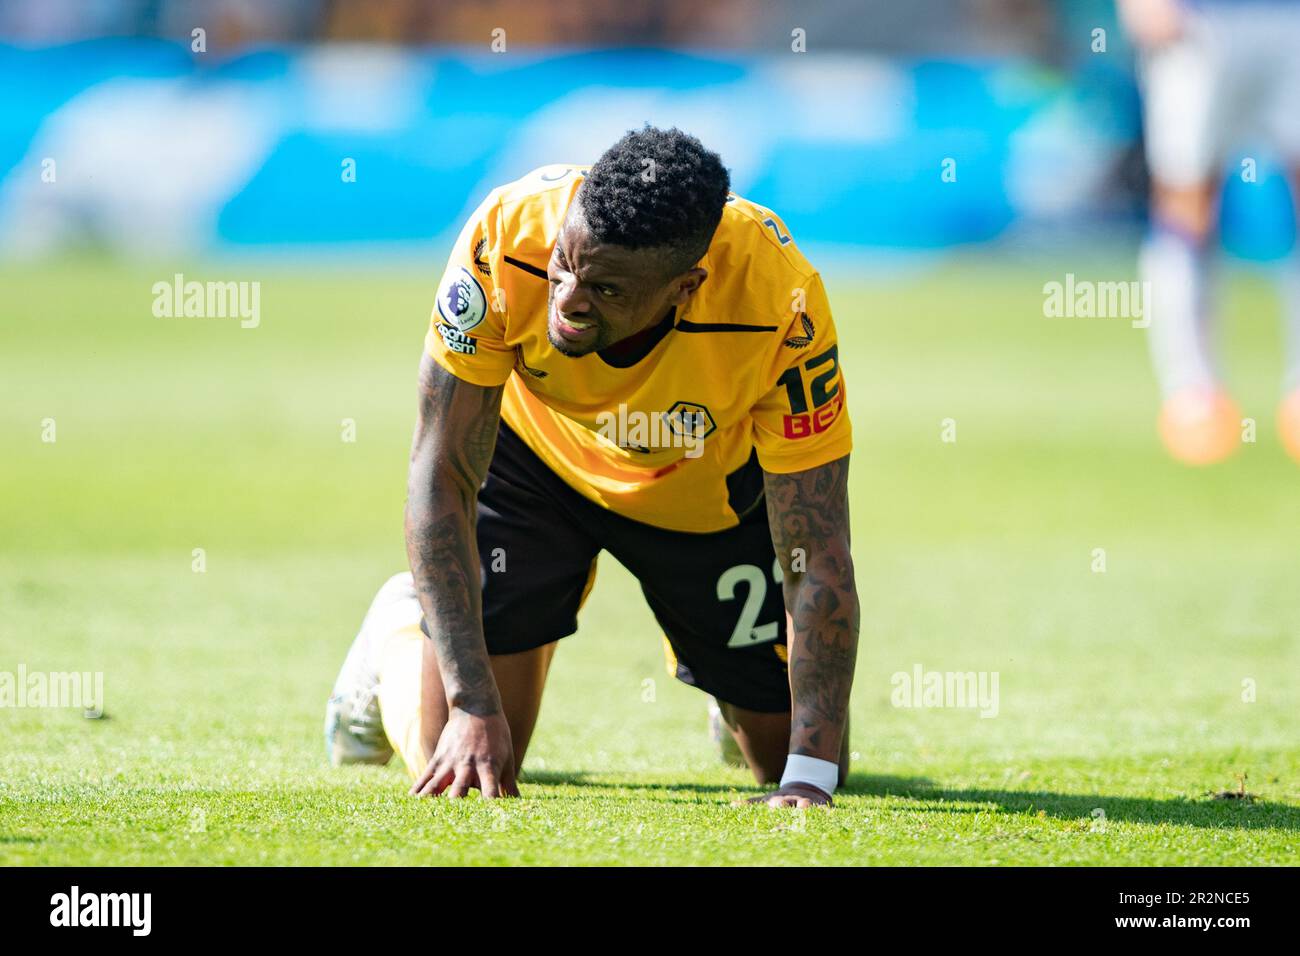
x=1288, y=417
x=1187, y=92
x=1211, y=76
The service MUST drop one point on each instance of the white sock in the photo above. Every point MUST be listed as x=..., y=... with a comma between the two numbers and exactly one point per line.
x=1177, y=268
x=394, y=607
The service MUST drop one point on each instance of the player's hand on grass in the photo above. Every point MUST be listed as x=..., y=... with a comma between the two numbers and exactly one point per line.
x=799, y=795
x=473, y=753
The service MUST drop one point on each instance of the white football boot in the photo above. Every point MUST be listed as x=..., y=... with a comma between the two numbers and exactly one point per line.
x=354, y=729
x=728, y=749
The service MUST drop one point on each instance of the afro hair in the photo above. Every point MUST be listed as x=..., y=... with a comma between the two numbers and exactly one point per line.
x=656, y=188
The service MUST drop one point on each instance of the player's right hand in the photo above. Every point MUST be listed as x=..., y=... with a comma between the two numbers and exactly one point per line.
x=473, y=753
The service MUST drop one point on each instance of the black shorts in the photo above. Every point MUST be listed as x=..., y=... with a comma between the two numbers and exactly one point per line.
x=717, y=596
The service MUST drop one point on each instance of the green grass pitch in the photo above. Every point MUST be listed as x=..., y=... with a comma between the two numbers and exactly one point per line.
x=1120, y=692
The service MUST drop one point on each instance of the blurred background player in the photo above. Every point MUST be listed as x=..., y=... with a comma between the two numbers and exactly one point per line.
x=1213, y=73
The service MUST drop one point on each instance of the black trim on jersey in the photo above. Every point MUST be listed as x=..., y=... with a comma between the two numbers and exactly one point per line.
x=653, y=338
x=684, y=326
x=530, y=269
x=745, y=486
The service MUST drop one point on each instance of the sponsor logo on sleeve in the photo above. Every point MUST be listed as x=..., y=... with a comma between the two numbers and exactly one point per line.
x=814, y=394
x=815, y=422
x=456, y=340
x=461, y=301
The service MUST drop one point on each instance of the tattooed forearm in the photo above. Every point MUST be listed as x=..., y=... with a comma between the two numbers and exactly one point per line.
x=809, y=515
x=454, y=438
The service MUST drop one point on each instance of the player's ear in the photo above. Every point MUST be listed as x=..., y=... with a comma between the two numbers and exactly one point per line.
x=685, y=285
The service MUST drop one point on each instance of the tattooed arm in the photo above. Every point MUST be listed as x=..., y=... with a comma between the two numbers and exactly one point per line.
x=808, y=512
x=454, y=438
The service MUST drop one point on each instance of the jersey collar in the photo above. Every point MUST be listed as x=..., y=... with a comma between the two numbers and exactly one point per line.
x=629, y=352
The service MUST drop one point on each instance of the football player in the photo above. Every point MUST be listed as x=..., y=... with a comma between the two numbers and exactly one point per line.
x=1212, y=72
x=626, y=359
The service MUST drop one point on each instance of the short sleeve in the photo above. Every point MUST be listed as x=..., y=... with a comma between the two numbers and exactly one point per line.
x=467, y=328
x=801, y=420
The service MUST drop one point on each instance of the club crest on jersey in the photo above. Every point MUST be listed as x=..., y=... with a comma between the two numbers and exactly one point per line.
x=461, y=301
x=690, y=418
x=685, y=425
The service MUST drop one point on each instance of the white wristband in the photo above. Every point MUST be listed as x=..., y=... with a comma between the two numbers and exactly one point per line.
x=822, y=774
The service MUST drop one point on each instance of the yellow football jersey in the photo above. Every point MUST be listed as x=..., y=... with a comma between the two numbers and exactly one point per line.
x=746, y=378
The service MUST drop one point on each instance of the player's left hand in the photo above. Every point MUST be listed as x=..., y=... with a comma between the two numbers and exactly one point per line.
x=799, y=795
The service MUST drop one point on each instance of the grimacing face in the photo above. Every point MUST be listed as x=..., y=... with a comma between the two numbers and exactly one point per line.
x=601, y=294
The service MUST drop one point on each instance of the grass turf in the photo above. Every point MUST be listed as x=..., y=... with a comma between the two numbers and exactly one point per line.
x=1121, y=693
